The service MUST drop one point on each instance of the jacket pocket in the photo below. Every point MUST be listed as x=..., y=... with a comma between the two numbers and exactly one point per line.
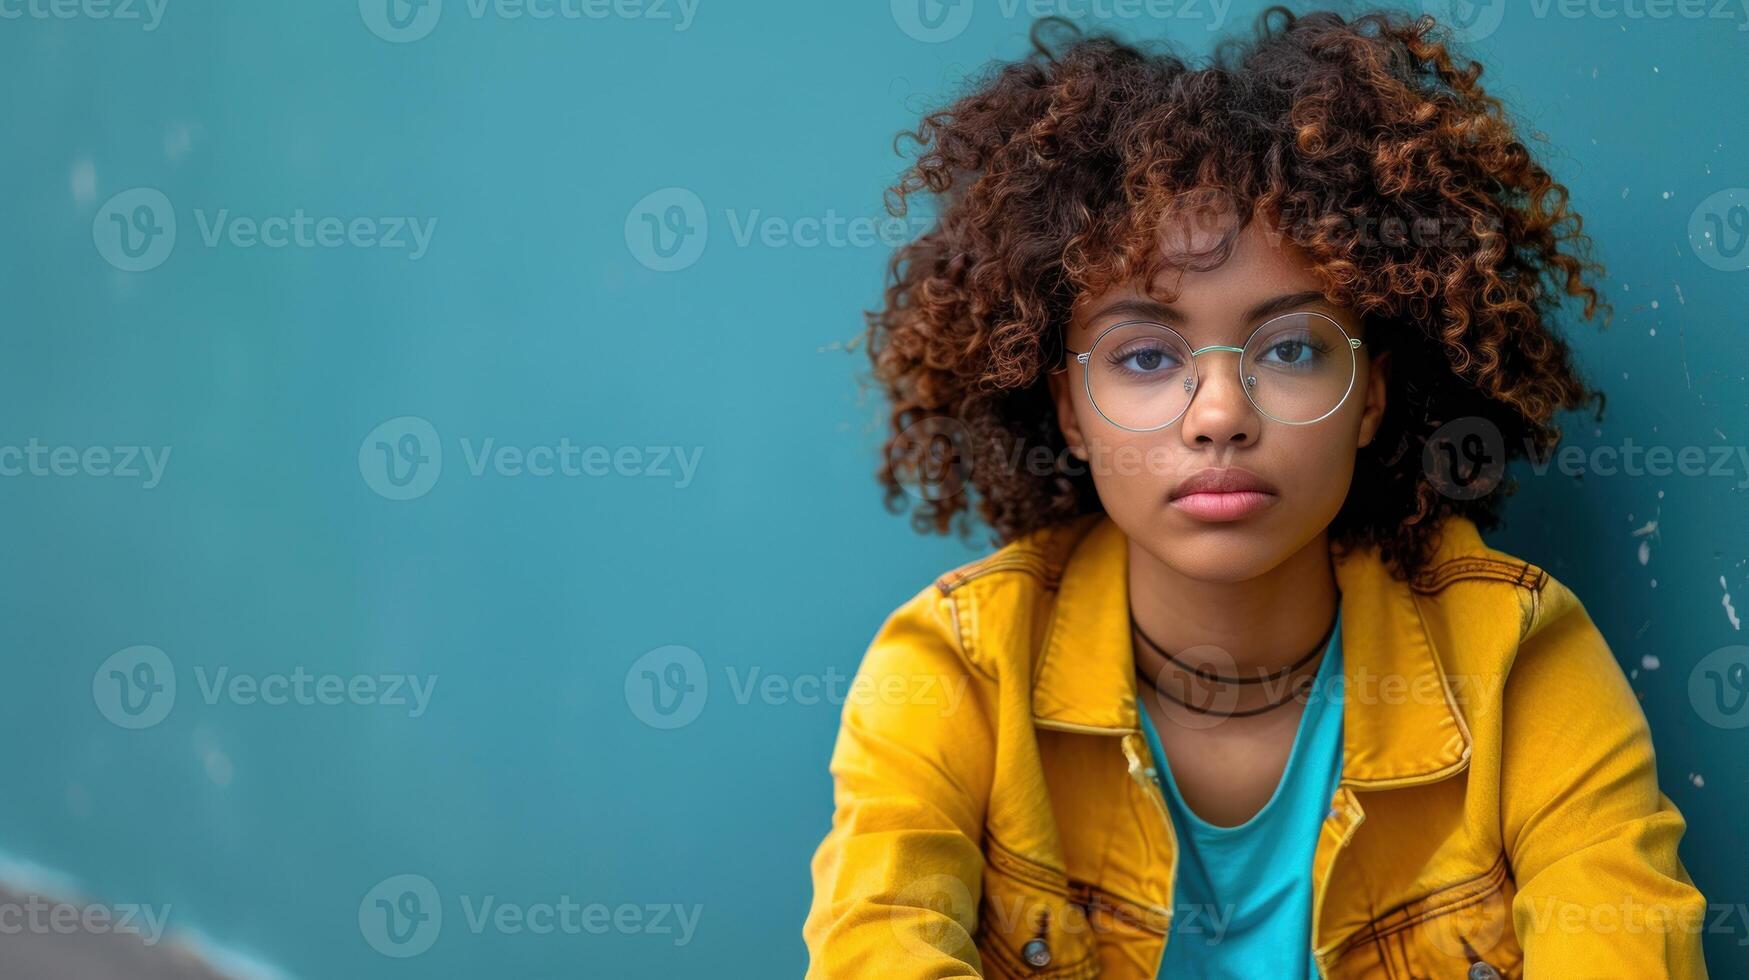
x=1027, y=925
x=1461, y=932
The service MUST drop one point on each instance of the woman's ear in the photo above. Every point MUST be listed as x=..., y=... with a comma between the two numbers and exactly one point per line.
x=1063, y=394
x=1378, y=376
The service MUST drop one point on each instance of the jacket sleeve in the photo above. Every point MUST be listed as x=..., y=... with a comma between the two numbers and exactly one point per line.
x=897, y=878
x=1592, y=839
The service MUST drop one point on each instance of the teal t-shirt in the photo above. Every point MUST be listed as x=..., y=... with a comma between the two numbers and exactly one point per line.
x=1242, y=907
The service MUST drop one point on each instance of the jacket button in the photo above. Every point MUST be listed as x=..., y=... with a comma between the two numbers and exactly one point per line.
x=1036, y=953
x=1483, y=971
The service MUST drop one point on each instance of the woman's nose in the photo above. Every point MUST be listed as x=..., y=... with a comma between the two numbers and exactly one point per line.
x=1220, y=412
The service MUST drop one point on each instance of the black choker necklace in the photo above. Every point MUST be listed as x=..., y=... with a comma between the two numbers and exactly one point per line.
x=1209, y=674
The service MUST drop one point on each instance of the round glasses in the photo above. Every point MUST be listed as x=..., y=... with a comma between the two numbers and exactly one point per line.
x=1296, y=368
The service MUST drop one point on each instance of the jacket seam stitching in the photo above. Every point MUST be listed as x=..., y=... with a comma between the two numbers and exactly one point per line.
x=1445, y=689
x=1385, y=958
x=1100, y=897
x=1036, y=566
x=1496, y=872
x=1478, y=567
x=1039, y=874
x=1044, y=561
x=968, y=649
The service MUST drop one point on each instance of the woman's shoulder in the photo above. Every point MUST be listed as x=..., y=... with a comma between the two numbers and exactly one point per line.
x=959, y=607
x=1041, y=555
x=1471, y=588
x=1460, y=555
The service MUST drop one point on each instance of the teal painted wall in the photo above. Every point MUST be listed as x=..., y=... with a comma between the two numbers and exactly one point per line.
x=549, y=234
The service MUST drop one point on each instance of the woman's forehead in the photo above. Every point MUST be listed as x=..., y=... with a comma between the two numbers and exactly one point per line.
x=1199, y=280
x=1194, y=298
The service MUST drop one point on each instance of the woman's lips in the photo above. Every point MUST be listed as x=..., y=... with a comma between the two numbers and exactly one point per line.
x=1230, y=506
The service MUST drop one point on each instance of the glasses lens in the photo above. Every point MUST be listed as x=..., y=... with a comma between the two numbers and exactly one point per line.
x=1298, y=368
x=1140, y=375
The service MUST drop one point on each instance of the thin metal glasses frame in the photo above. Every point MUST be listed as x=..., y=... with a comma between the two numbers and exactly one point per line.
x=1082, y=358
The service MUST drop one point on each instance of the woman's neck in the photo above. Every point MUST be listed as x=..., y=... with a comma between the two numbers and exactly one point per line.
x=1261, y=625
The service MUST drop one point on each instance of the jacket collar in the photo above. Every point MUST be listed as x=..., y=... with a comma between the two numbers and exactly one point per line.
x=1400, y=725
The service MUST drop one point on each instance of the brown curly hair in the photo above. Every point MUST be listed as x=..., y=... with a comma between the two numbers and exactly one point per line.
x=1050, y=180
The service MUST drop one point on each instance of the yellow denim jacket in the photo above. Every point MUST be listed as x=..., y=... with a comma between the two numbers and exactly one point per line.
x=1498, y=813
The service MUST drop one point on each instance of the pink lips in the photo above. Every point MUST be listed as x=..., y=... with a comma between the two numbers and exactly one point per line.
x=1223, y=494
x=1223, y=506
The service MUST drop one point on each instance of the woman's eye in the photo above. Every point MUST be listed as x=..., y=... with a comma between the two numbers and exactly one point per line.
x=1290, y=353
x=1146, y=360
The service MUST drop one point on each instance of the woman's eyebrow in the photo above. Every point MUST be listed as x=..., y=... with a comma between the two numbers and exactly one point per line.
x=1151, y=309
x=1282, y=304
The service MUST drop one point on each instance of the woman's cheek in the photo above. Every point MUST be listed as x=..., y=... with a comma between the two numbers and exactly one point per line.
x=1321, y=476
x=1132, y=474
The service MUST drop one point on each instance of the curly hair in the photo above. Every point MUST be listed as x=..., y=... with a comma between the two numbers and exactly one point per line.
x=1050, y=182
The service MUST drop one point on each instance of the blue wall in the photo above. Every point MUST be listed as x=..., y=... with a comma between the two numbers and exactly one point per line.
x=301, y=524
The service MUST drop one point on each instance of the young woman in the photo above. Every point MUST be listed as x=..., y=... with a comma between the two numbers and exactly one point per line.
x=1236, y=355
